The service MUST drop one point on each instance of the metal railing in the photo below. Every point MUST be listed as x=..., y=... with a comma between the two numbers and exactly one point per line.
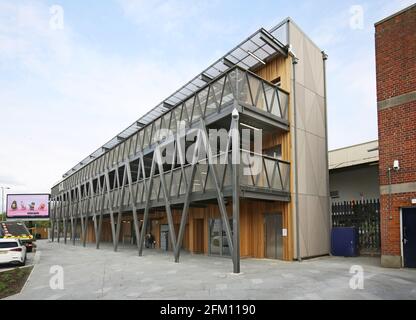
x=256, y=171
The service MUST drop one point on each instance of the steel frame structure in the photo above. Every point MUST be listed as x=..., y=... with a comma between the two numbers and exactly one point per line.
x=236, y=94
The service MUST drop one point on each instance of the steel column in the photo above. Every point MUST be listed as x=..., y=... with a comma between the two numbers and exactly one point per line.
x=110, y=207
x=100, y=221
x=236, y=189
x=133, y=202
x=148, y=196
x=185, y=209
x=172, y=232
x=220, y=196
x=120, y=206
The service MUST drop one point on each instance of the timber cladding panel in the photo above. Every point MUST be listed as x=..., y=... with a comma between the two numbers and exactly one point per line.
x=278, y=67
x=252, y=242
x=196, y=238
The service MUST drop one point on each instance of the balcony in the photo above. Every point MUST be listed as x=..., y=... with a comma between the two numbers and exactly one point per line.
x=211, y=102
x=261, y=177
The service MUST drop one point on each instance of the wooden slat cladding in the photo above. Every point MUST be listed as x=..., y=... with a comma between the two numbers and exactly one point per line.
x=278, y=67
x=273, y=139
x=252, y=242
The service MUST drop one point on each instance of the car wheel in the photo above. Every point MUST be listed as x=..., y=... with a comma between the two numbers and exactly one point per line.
x=24, y=261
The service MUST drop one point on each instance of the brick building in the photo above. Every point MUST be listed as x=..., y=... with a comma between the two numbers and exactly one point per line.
x=395, y=39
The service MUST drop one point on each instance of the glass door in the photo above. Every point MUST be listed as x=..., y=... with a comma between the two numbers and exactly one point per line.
x=218, y=242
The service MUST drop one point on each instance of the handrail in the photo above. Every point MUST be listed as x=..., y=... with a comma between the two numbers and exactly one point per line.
x=204, y=161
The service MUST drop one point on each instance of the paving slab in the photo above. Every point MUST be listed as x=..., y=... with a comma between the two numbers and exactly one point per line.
x=94, y=274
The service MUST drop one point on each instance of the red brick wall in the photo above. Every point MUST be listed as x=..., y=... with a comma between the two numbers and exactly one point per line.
x=396, y=75
x=397, y=141
x=390, y=223
x=396, y=55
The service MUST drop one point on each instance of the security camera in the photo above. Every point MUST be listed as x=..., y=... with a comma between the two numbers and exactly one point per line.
x=396, y=165
x=235, y=114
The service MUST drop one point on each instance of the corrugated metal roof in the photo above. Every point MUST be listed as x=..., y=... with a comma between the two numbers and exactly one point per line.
x=353, y=155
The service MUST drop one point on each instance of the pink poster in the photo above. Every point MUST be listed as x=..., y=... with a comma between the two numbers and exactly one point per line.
x=27, y=206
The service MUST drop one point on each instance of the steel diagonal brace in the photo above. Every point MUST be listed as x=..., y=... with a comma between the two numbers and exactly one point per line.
x=172, y=233
x=133, y=203
x=185, y=210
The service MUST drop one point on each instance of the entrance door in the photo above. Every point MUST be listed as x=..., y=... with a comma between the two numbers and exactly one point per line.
x=164, y=237
x=273, y=233
x=218, y=241
x=199, y=236
x=409, y=237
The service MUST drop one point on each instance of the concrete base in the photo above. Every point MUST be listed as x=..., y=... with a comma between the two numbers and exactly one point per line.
x=391, y=261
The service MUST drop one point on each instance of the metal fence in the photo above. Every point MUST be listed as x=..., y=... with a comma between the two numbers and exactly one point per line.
x=365, y=216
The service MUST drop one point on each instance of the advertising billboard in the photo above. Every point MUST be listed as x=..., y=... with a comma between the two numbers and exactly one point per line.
x=27, y=206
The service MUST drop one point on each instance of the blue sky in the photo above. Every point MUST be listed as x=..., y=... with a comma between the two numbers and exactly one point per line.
x=64, y=92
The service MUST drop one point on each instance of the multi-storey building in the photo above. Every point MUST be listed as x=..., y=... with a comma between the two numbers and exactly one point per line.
x=396, y=101
x=272, y=84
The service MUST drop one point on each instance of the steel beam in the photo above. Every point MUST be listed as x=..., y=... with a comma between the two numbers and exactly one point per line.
x=148, y=196
x=185, y=209
x=172, y=232
x=53, y=201
x=60, y=216
x=100, y=221
x=72, y=221
x=65, y=216
x=133, y=202
x=110, y=207
x=220, y=196
x=120, y=207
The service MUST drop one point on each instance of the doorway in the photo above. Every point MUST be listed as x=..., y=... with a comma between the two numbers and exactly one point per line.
x=409, y=237
x=199, y=236
x=218, y=241
x=164, y=237
x=273, y=224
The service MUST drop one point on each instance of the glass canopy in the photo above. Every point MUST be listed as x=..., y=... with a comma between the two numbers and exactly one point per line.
x=257, y=49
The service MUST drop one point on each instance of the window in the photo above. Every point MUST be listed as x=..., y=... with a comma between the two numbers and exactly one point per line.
x=276, y=81
x=274, y=152
x=6, y=245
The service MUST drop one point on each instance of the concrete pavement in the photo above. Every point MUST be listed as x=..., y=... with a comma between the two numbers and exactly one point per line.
x=104, y=274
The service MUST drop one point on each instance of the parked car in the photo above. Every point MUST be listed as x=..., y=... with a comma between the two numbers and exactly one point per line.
x=12, y=251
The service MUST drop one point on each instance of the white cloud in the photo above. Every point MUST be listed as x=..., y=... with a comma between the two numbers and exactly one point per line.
x=62, y=99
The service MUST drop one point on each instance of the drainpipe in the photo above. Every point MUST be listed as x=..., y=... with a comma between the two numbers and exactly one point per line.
x=388, y=215
x=294, y=63
x=325, y=58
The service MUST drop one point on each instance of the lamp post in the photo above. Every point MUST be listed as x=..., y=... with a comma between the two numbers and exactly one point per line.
x=2, y=197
